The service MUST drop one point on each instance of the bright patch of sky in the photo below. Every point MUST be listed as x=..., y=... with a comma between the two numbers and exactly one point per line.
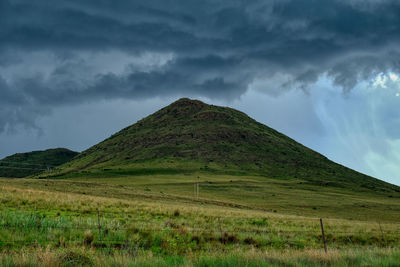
x=362, y=128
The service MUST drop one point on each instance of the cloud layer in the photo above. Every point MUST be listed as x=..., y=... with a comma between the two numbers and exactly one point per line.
x=72, y=52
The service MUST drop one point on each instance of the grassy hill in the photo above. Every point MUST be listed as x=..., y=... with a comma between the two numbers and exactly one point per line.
x=199, y=185
x=35, y=162
x=190, y=136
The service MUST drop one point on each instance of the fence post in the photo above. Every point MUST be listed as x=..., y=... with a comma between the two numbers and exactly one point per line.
x=383, y=236
x=198, y=185
x=323, y=235
x=98, y=222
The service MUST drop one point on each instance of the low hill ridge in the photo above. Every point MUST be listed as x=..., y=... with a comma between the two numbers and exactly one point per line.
x=25, y=164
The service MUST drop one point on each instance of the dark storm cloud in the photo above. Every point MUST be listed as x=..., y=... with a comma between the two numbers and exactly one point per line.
x=217, y=48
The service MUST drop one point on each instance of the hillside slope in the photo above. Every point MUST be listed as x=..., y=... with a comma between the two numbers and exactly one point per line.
x=190, y=136
x=25, y=164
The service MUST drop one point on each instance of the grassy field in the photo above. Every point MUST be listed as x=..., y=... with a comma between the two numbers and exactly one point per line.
x=157, y=219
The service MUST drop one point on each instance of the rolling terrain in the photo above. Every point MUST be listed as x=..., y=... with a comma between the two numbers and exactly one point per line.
x=199, y=185
x=192, y=137
x=220, y=155
x=31, y=163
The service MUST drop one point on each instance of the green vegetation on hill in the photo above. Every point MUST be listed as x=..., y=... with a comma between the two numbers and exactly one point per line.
x=190, y=136
x=31, y=163
x=199, y=185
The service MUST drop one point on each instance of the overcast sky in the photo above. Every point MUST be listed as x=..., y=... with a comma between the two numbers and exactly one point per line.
x=324, y=72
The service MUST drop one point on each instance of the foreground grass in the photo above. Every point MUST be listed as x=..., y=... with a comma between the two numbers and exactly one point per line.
x=56, y=223
x=89, y=257
x=168, y=225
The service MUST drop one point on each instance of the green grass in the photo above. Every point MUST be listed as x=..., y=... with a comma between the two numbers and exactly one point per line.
x=244, y=221
x=295, y=196
x=298, y=258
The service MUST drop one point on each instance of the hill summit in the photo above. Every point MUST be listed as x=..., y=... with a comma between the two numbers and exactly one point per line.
x=191, y=136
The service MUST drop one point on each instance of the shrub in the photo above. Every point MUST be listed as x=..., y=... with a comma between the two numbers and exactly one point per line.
x=250, y=241
x=259, y=222
x=227, y=238
x=195, y=238
x=88, y=238
x=176, y=213
x=76, y=257
x=61, y=242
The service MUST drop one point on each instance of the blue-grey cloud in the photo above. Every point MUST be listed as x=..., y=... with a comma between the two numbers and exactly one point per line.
x=206, y=48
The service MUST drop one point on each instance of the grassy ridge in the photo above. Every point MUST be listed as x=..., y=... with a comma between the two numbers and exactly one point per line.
x=35, y=162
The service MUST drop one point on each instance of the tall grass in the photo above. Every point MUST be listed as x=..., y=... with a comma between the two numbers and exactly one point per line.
x=51, y=228
x=82, y=256
x=168, y=228
x=169, y=234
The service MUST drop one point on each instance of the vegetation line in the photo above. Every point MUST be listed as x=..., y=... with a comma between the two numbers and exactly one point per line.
x=21, y=168
x=153, y=228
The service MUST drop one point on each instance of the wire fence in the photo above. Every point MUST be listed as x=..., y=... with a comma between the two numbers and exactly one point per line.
x=166, y=228
x=105, y=234
x=219, y=229
x=193, y=230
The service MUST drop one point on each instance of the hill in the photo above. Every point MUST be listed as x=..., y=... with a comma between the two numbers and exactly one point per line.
x=190, y=136
x=31, y=163
x=199, y=185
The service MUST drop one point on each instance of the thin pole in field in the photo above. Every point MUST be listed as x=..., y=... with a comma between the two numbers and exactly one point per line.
x=98, y=221
x=198, y=179
x=323, y=235
x=383, y=236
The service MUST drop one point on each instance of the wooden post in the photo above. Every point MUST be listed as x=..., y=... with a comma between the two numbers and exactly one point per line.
x=197, y=187
x=383, y=236
x=323, y=235
x=98, y=221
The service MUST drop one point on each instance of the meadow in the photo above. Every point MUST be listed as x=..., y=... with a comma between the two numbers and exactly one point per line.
x=160, y=220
